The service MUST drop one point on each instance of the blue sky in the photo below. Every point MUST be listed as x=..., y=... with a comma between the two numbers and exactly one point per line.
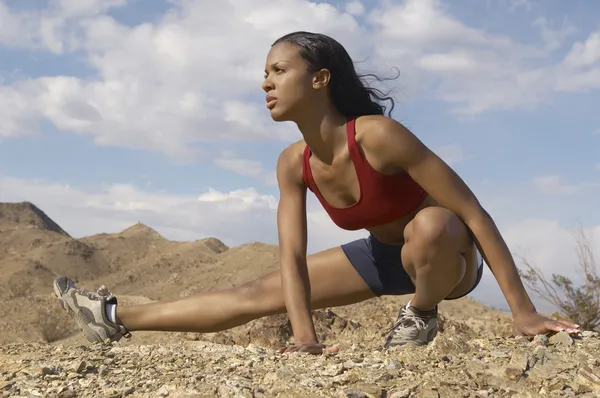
x=117, y=111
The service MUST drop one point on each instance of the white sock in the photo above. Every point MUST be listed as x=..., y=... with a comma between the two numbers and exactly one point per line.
x=111, y=312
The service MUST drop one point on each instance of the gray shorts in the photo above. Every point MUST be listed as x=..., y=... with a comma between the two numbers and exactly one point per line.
x=380, y=265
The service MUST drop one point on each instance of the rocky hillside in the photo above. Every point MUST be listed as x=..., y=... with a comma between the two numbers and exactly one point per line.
x=43, y=354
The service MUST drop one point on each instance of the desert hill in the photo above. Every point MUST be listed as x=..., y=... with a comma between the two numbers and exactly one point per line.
x=25, y=215
x=135, y=262
x=42, y=353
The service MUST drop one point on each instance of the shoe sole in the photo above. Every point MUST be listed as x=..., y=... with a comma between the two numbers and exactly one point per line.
x=90, y=334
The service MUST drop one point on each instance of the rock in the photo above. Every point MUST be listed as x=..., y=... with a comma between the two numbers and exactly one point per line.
x=401, y=394
x=556, y=385
x=67, y=393
x=352, y=393
x=364, y=391
x=429, y=394
x=79, y=367
x=191, y=336
x=548, y=365
x=47, y=371
x=520, y=360
x=446, y=343
x=513, y=373
x=371, y=389
x=589, y=333
x=561, y=338
x=590, y=378
x=73, y=375
x=541, y=339
x=393, y=365
x=499, y=354
x=332, y=370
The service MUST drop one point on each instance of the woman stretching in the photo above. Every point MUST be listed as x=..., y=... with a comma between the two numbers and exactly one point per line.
x=426, y=228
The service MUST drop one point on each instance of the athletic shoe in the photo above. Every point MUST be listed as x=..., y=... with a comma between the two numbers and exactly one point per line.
x=412, y=327
x=88, y=309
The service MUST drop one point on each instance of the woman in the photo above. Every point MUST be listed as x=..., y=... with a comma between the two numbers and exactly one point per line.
x=426, y=227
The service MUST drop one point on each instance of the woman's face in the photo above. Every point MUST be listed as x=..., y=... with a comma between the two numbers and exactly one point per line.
x=288, y=84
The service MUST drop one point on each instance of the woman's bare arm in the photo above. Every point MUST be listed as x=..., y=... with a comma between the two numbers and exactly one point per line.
x=292, y=231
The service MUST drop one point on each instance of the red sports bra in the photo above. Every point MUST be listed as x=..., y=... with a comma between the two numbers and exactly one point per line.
x=383, y=199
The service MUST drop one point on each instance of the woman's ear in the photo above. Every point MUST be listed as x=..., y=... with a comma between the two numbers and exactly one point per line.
x=321, y=79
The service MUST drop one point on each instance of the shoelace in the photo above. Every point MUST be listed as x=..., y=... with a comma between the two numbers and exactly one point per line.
x=102, y=292
x=417, y=324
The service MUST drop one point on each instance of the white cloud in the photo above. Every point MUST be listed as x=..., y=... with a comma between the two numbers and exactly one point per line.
x=130, y=114
x=428, y=23
x=236, y=217
x=246, y=167
x=580, y=69
x=251, y=168
x=584, y=54
x=553, y=184
x=78, y=8
x=17, y=30
x=457, y=62
x=53, y=28
x=475, y=69
x=355, y=8
x=554, y=38
x=173, y=84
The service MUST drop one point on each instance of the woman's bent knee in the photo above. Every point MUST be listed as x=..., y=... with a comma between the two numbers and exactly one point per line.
x=438, y=226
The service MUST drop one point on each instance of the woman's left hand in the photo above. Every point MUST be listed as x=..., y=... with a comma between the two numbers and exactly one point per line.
x=532, y=323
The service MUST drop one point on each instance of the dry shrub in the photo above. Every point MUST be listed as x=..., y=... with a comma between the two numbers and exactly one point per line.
x=580, y=304
x=51, y=323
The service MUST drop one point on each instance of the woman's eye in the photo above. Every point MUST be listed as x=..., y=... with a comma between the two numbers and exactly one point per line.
x=276, y=69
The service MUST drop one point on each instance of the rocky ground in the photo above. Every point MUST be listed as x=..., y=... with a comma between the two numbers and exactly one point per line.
x=455, y=364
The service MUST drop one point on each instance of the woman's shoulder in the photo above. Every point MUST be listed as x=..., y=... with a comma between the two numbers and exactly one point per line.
x=290, y=160
x=293, y=152
x=384, y=139
x=376, y=126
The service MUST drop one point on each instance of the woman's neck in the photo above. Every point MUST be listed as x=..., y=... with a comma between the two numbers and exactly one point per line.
x=325, y=133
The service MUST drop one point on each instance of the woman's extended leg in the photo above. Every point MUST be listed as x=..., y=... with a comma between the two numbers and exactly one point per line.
x=334, y=282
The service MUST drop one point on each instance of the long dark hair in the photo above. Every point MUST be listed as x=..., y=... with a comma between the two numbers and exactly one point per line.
x=349, y=93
